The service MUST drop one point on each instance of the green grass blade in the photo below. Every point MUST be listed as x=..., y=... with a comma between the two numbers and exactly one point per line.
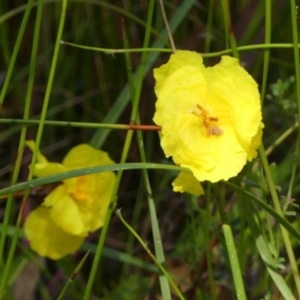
x=85, y=171
x=15, y=52
x=277, y=205
x=234, y=263
x=268, y=28
x=72, y=277
x=124, y=97
x=262, y=247
x=281, y=220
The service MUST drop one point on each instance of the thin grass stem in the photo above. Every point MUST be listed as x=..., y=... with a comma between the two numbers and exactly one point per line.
x=162, y=8
x=156, y=261
x=15, y=52
x=230, y=39
x=125, y=151
x=18, y=164
x=25, y=122
x=168, y=50
x=73, y=277
x=268, y=29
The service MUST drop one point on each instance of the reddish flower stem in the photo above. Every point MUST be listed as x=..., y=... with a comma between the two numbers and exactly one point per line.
x=144, y=127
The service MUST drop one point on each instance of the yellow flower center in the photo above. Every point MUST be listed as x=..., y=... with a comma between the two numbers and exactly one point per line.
x=209, y=122
x=80, y=187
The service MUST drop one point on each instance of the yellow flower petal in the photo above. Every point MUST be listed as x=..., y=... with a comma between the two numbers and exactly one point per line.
x=92, y=192
x=64, y=212
x=47, y=169
x=94, y=208
x=179, y=85
x=43, y=168
x=186, y=182
x=255, y=143
x=84, y=155
x=210, y=117
x=231, y=84
x=40, y=157
x=80, y=204
x=183, y=61
x=46, y=238
x=208, y=157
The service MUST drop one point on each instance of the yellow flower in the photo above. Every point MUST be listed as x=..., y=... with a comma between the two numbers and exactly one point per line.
x=186, y=182
x=73, y=209
x=211, y=117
